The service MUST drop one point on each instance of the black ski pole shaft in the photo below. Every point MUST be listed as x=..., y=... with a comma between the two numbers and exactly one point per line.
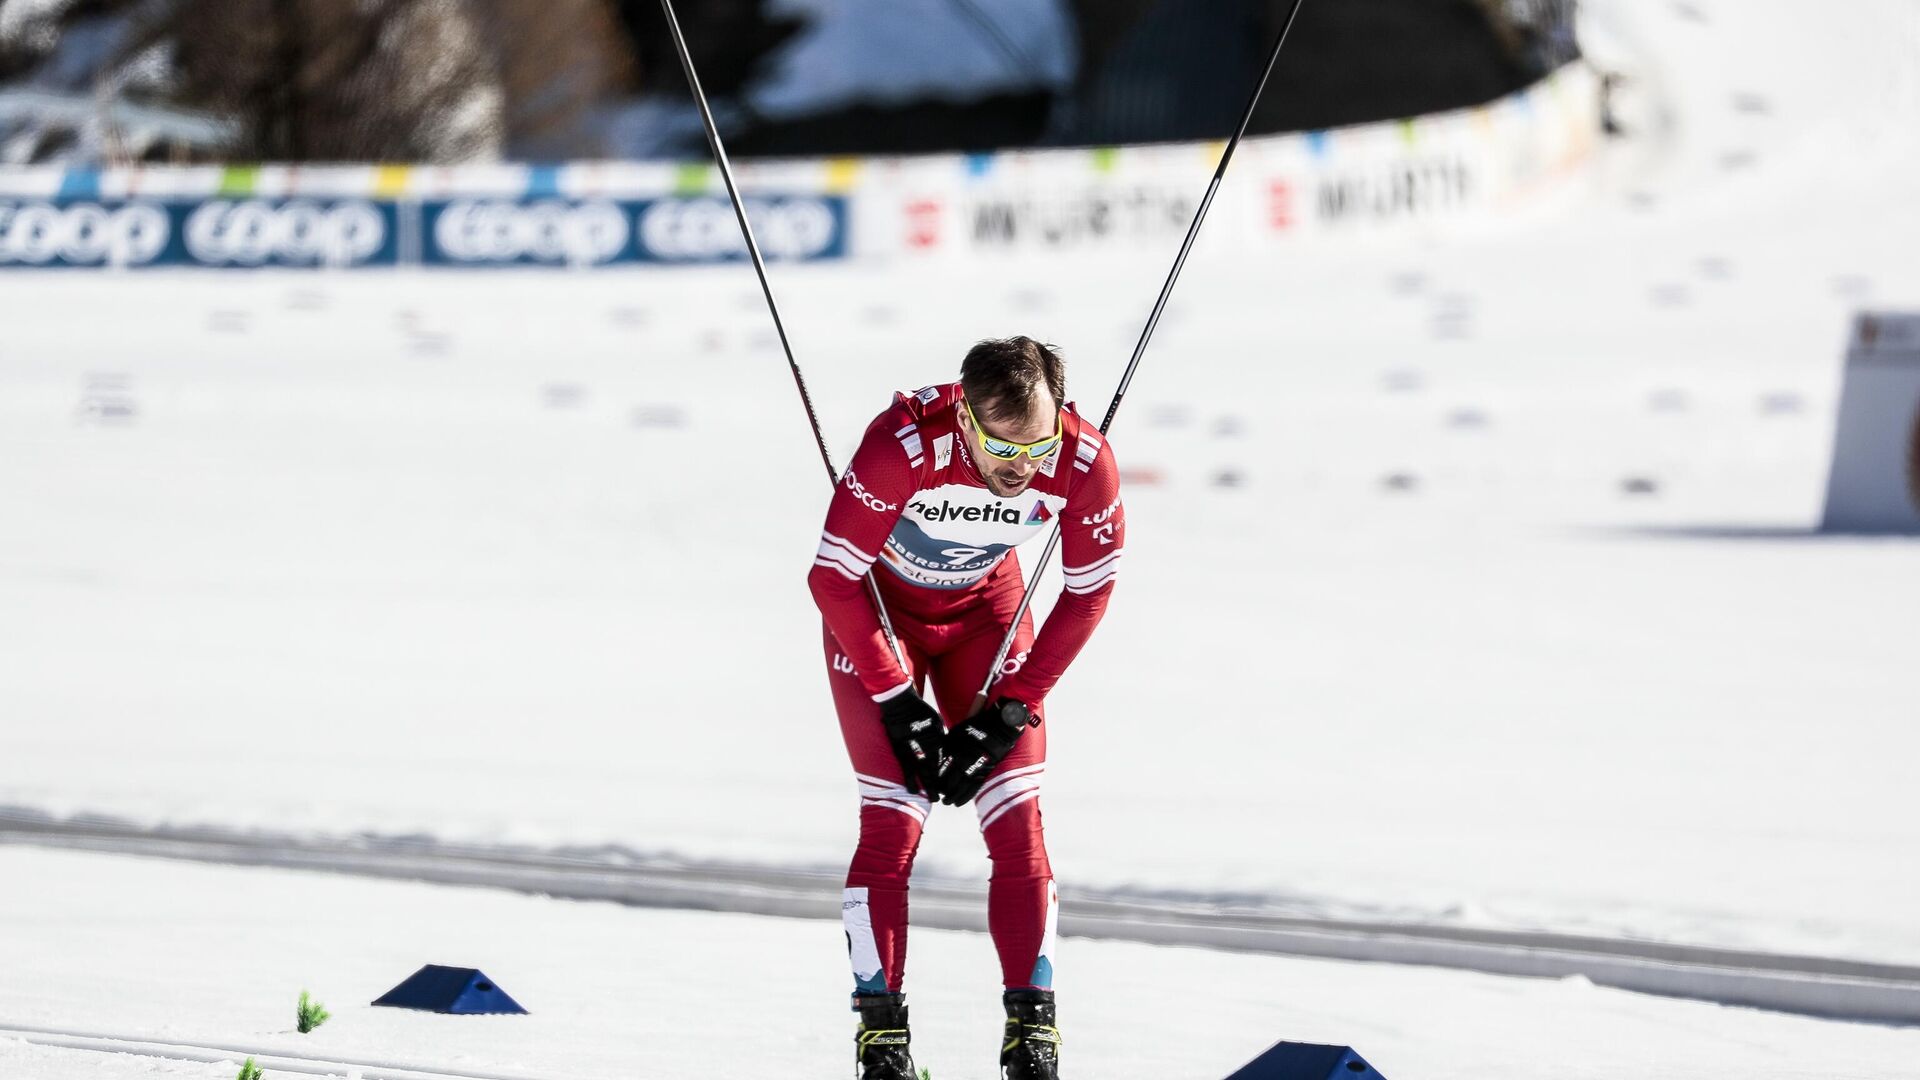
x=766, y=289
x=1146, y=334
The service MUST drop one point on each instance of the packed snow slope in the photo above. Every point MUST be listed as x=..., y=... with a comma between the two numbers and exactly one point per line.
x=219, y=956
x=1475, y=578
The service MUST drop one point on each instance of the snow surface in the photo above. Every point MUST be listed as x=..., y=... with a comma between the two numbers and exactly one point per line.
x=520, y=556
x=218, y=956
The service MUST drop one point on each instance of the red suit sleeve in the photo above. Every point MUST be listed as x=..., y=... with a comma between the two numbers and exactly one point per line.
x=1093, y=534
x=866, y=504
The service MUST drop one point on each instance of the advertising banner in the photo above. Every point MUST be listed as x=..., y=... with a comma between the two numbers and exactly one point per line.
x=218, y=233
x=1394, y=179
x=349, y=233
x=601, y=232
x=1072, y=217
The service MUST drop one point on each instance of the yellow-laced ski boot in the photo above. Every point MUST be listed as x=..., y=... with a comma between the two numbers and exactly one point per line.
x=880, y=1043
x=1032, y=1047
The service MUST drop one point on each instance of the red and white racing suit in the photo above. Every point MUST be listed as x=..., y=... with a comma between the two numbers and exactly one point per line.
x=913, y=501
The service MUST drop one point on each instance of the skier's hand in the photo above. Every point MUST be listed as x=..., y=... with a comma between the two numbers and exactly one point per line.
x=975, y=747
x=915, y=730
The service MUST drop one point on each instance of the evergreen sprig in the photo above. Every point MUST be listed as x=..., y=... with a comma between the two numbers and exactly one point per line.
x=310, y=1015
x=249, y=1071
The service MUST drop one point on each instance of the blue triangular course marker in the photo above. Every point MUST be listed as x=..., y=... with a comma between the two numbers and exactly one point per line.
x=450, y=990
x=1308, y=1061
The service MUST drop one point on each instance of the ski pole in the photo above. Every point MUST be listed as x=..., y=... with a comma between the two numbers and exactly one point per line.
x=1146, y=334
x=766, y=289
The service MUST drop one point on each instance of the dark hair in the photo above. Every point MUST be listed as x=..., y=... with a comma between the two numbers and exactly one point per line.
x=1003, y=378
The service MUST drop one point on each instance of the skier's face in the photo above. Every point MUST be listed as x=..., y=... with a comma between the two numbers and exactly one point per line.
x=1009, y=478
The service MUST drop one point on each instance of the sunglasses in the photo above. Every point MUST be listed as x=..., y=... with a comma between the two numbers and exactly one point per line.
x=1011, y=451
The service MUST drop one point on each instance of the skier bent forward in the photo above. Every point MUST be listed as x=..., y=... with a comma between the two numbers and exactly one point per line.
x=945, y=483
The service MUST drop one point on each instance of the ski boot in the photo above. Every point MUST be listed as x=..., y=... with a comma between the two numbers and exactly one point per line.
x=1032, y=1047
x=880, y=1043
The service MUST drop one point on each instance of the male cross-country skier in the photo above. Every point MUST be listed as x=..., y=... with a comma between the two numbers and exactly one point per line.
x=945, y=483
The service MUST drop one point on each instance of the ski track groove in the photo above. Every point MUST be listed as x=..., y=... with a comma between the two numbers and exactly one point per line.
x=269, y=1061
x=1807, y=985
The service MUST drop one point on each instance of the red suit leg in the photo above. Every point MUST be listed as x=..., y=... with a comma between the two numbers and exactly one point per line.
x=1021, y=907
x=873, y=909
x=1020, y=896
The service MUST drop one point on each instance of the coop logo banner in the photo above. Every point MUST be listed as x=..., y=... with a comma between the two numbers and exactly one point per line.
x=284, y=232
x=289, y=232
x=218, y=233
x=799, y=228
x=601, y=232
x=503, y=232
x=36, y=233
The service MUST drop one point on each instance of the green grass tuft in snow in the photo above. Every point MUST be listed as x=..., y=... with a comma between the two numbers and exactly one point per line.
x=310, y=1015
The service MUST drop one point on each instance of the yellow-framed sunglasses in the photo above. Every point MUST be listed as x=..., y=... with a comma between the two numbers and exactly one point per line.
x=1011, y=451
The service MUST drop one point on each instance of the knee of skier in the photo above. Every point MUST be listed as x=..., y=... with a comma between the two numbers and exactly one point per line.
x=1016, y=844
x=889, y=840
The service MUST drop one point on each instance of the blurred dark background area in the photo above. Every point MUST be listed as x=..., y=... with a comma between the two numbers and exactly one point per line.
x=447, y=81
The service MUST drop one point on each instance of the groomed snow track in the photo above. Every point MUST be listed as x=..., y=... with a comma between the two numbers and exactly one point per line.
x=1813, y=986
x=267, y=1060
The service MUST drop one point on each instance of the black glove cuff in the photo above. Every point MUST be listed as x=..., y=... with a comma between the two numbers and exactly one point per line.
x=904, y=707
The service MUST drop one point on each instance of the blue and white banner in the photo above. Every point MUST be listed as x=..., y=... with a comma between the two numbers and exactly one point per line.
x=359, y=232
x=36, y=233
x=599, y=232
x=287, y=232
x=217, y=232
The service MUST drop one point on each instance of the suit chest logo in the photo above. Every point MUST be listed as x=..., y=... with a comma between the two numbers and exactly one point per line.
x=944, y=510
x=992, y=513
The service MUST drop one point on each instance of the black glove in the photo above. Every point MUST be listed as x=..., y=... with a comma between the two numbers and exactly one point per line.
x=976, y=746
x=915, y=730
